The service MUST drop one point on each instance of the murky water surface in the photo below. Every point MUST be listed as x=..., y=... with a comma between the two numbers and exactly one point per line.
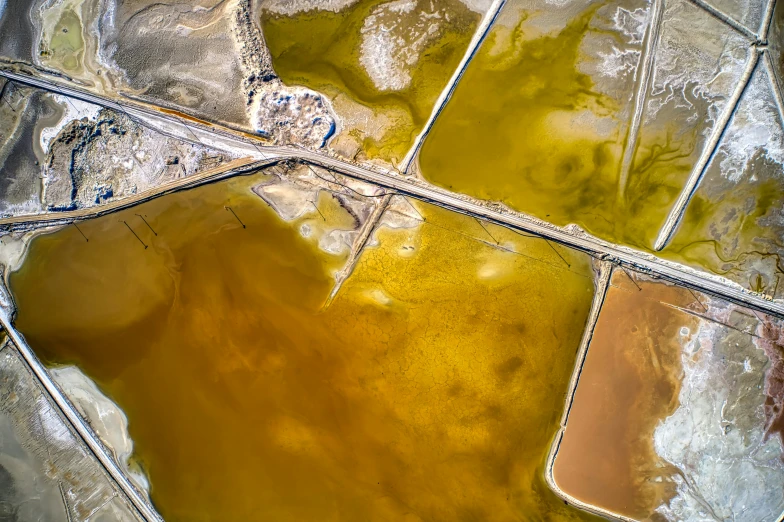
x=527, y=126
x=429, y=389
x=322, y=50
x=734, y=230
x=734, y=223
x=629, y=383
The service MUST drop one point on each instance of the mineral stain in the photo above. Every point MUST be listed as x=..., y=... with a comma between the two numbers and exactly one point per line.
x=429, y=389
x=66, y=44
x=733, y=230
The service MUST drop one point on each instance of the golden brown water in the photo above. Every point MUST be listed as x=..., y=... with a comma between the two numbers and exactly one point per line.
x=629, y=383
x=429, y=390
x=523, y=127
x=322, y=49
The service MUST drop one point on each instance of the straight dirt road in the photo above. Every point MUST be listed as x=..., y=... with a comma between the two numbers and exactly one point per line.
x=230, y=140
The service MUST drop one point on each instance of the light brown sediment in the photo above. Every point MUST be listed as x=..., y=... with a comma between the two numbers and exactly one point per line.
x=602, y=283
x=604, y=273
x=630, y=381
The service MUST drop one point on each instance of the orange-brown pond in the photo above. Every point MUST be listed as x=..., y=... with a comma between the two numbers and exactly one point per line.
x=629, y=382
x=428, y=390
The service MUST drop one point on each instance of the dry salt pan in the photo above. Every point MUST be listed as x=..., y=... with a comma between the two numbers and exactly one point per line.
x=393, y=37
x=716, y=437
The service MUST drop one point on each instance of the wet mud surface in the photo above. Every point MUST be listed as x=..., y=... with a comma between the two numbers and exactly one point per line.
x=16, y=30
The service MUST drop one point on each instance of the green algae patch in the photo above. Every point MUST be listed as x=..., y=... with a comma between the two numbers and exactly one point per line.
x=66, y=45
x=429, y=389
x=527, y=128
x=734, y=223
x=322, y=50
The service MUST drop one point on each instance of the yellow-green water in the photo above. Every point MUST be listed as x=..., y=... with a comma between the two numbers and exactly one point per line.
x=429, y=389
x=321, y=50
x=522, y=128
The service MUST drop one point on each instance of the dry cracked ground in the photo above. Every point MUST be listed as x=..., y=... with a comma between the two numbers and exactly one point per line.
x=284, y=341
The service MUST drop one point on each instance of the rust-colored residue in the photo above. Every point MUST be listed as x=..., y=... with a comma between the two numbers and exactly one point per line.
x=184, y=116
x=255, y=137
x=771, y=340
x=630, y=381
x=188, y=117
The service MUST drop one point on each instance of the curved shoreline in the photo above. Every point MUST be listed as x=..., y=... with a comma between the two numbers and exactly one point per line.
x=81, y=428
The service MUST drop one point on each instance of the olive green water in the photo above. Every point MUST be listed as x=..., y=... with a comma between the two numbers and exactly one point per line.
x=66, y=45
x=429, y=390
x=321, y=50
x=733, y=225
x=518, y=130
x=734, y=229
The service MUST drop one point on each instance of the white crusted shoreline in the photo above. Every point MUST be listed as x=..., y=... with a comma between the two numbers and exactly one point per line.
x=105, y=417
x=716, y=437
